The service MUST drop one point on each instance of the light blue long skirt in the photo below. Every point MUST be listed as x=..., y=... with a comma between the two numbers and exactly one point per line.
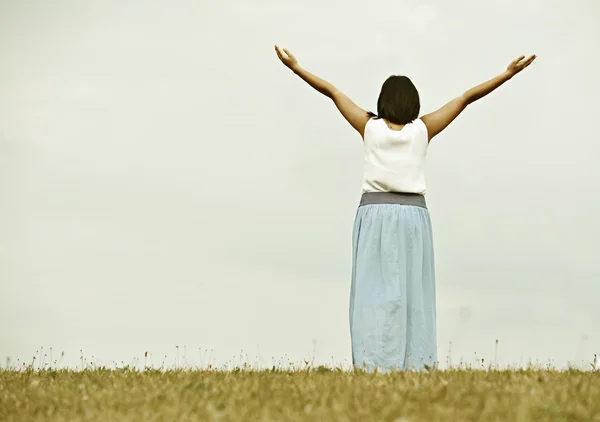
x=392, y=298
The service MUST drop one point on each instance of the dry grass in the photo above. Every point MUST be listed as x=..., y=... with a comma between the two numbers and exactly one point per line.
x=318, y=394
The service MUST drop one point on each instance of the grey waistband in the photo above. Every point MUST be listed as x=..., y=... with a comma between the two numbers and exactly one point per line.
x=393, y=198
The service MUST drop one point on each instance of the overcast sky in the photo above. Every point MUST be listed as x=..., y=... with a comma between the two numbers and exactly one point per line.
x=165, y=181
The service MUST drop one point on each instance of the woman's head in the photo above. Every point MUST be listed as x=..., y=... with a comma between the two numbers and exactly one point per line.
x=398, y=101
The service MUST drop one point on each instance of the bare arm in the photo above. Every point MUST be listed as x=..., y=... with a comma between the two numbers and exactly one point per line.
x=356, y=116
x=441, y=118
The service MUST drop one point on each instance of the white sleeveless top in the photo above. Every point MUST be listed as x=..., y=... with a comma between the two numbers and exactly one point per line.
x=394, y=159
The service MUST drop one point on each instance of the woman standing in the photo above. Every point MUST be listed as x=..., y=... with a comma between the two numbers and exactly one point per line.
x=392, y=299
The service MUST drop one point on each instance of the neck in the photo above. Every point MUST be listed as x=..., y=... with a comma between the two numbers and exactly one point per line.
x=394, y=126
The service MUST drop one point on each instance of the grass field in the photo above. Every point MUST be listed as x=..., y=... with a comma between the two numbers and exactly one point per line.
x=313, y=394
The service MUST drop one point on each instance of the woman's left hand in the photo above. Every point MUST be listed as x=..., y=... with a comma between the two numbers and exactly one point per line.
x=519, y=64
x=286, y=58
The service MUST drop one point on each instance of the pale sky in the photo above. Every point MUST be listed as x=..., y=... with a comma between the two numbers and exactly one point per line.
x=165, y=181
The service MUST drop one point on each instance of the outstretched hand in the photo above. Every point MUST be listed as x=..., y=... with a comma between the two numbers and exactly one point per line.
x=286, y=57
x=519, y=64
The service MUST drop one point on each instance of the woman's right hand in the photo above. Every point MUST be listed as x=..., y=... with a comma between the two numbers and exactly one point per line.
x=286, y=57
x=519, y=64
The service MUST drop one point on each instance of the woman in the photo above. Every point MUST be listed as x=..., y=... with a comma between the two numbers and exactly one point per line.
x=392, y=299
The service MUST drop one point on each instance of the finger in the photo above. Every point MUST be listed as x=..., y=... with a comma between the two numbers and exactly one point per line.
x=278, y=53
x=518, y=59
x=527, y=64
x=287, y=52
x=529, y=60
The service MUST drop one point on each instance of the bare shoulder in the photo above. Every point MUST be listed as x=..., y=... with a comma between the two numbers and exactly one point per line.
x=355, y=115
x=438, y=120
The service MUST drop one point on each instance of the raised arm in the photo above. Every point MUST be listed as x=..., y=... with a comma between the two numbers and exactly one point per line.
x=356, y=116
x=441, y=118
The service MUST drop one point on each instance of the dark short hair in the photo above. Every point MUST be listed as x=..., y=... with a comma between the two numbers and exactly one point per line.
x=398, y=101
